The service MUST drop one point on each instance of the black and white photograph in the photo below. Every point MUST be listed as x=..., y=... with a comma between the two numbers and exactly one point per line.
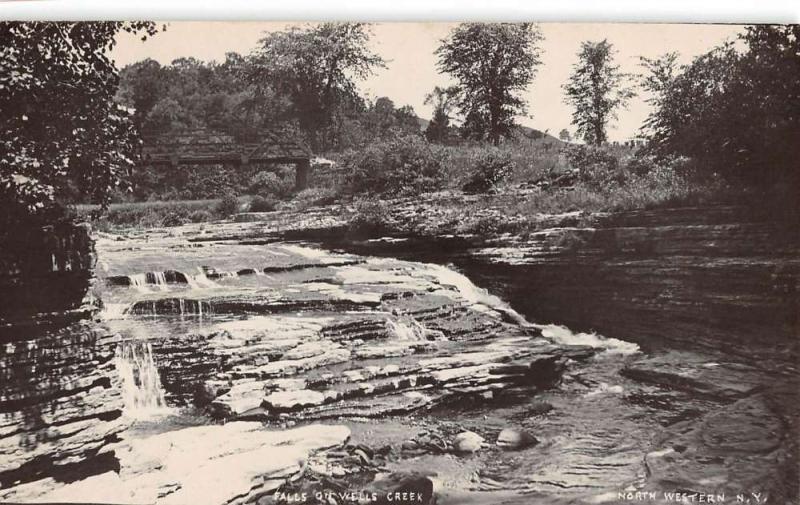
x=341, y=262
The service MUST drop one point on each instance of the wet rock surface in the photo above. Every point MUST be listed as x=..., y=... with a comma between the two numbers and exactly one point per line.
x=235, y=463
x=357, y=377
x=60, y=405
x=740, y=449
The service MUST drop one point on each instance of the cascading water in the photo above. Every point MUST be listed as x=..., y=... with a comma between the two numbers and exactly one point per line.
x=160, y=280
x=472, y=293
x=412, y=331
x=200, y=280
x=141, y=385
x=139, y=282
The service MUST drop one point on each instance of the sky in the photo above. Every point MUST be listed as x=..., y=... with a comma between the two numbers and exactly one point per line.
x=411, y=63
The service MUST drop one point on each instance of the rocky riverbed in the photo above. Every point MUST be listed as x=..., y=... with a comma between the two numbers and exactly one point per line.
x=246, y=362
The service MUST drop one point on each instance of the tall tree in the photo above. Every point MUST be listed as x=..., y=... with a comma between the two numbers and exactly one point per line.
x=596, y=90
x=316, y=67
x=443, y=101
x=659, y=74
x=493, y=64
x=60, y=128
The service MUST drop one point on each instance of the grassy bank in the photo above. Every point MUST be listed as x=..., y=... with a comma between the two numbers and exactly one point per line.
x=511, y=188
x=155, y=214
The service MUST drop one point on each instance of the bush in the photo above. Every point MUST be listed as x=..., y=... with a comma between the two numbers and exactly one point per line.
x=314, y=196
x=262, y=204
x=597, y=166
x=401, y=166
x=228, y=205
x=489, y=168
x=372, y=218
x=270, y=184
x=174, y=218
x=200, y=216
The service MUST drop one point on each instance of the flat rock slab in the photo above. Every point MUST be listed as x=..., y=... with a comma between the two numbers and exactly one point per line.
x=739, y=449
x=228, y=464
x=697, y=374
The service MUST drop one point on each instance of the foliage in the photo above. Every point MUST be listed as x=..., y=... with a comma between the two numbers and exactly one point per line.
x=735, y=112
x=311, y=197
x=189, y=93
x=262, y=204
x=533, y=160
x=596, y=89
x=401, y=166
x=490, y=167
x=60, y=128
x=371, y=218
x=596, y=165
x=228, y=204
x=314, y=69
x=381, y=120
x=493, y=64
x=151, y=214
x=200, y=216
x=659, y=74
x=271, y=184
x=443, y=101
x=564, y=135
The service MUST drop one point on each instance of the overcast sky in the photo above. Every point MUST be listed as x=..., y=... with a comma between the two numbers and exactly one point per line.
x=411, y=68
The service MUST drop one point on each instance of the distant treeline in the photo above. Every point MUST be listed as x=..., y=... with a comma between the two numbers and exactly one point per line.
x=731, y=116
x=189, y=94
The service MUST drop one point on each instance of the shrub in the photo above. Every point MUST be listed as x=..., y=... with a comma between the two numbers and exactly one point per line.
x=489, y=167
x=401, y=166
x=641, y=164
x=200, y=216
x=371, y=218
x=174, y=218
x=270, y=184
x=597, y=166
x=227, y=205
x=262, y=204
x=314, y=196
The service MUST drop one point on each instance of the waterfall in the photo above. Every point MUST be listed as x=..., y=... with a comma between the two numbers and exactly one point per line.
x=141, y=386
x=139, y=282
x=404, y=331
x=200, y=280
x=160, y=280
x=472, y=293
x=115, y=311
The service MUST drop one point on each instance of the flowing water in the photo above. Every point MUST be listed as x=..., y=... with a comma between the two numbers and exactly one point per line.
x=141, y=386
x=191, y=308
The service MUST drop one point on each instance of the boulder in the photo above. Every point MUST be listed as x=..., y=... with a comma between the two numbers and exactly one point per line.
x=513, y=439
x=467, y=442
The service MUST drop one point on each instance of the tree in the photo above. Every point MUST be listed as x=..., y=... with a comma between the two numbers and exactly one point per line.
x=596, y=90
x=142, y=85
x=493, y=63
x=316, y=69
x=60, y=128
x=564, y=135
x=659, y=76
x=382, y=120
x=735, y=111
x=443, y=101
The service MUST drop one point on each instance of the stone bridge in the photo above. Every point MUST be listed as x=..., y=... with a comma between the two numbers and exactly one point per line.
x=208, y=147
